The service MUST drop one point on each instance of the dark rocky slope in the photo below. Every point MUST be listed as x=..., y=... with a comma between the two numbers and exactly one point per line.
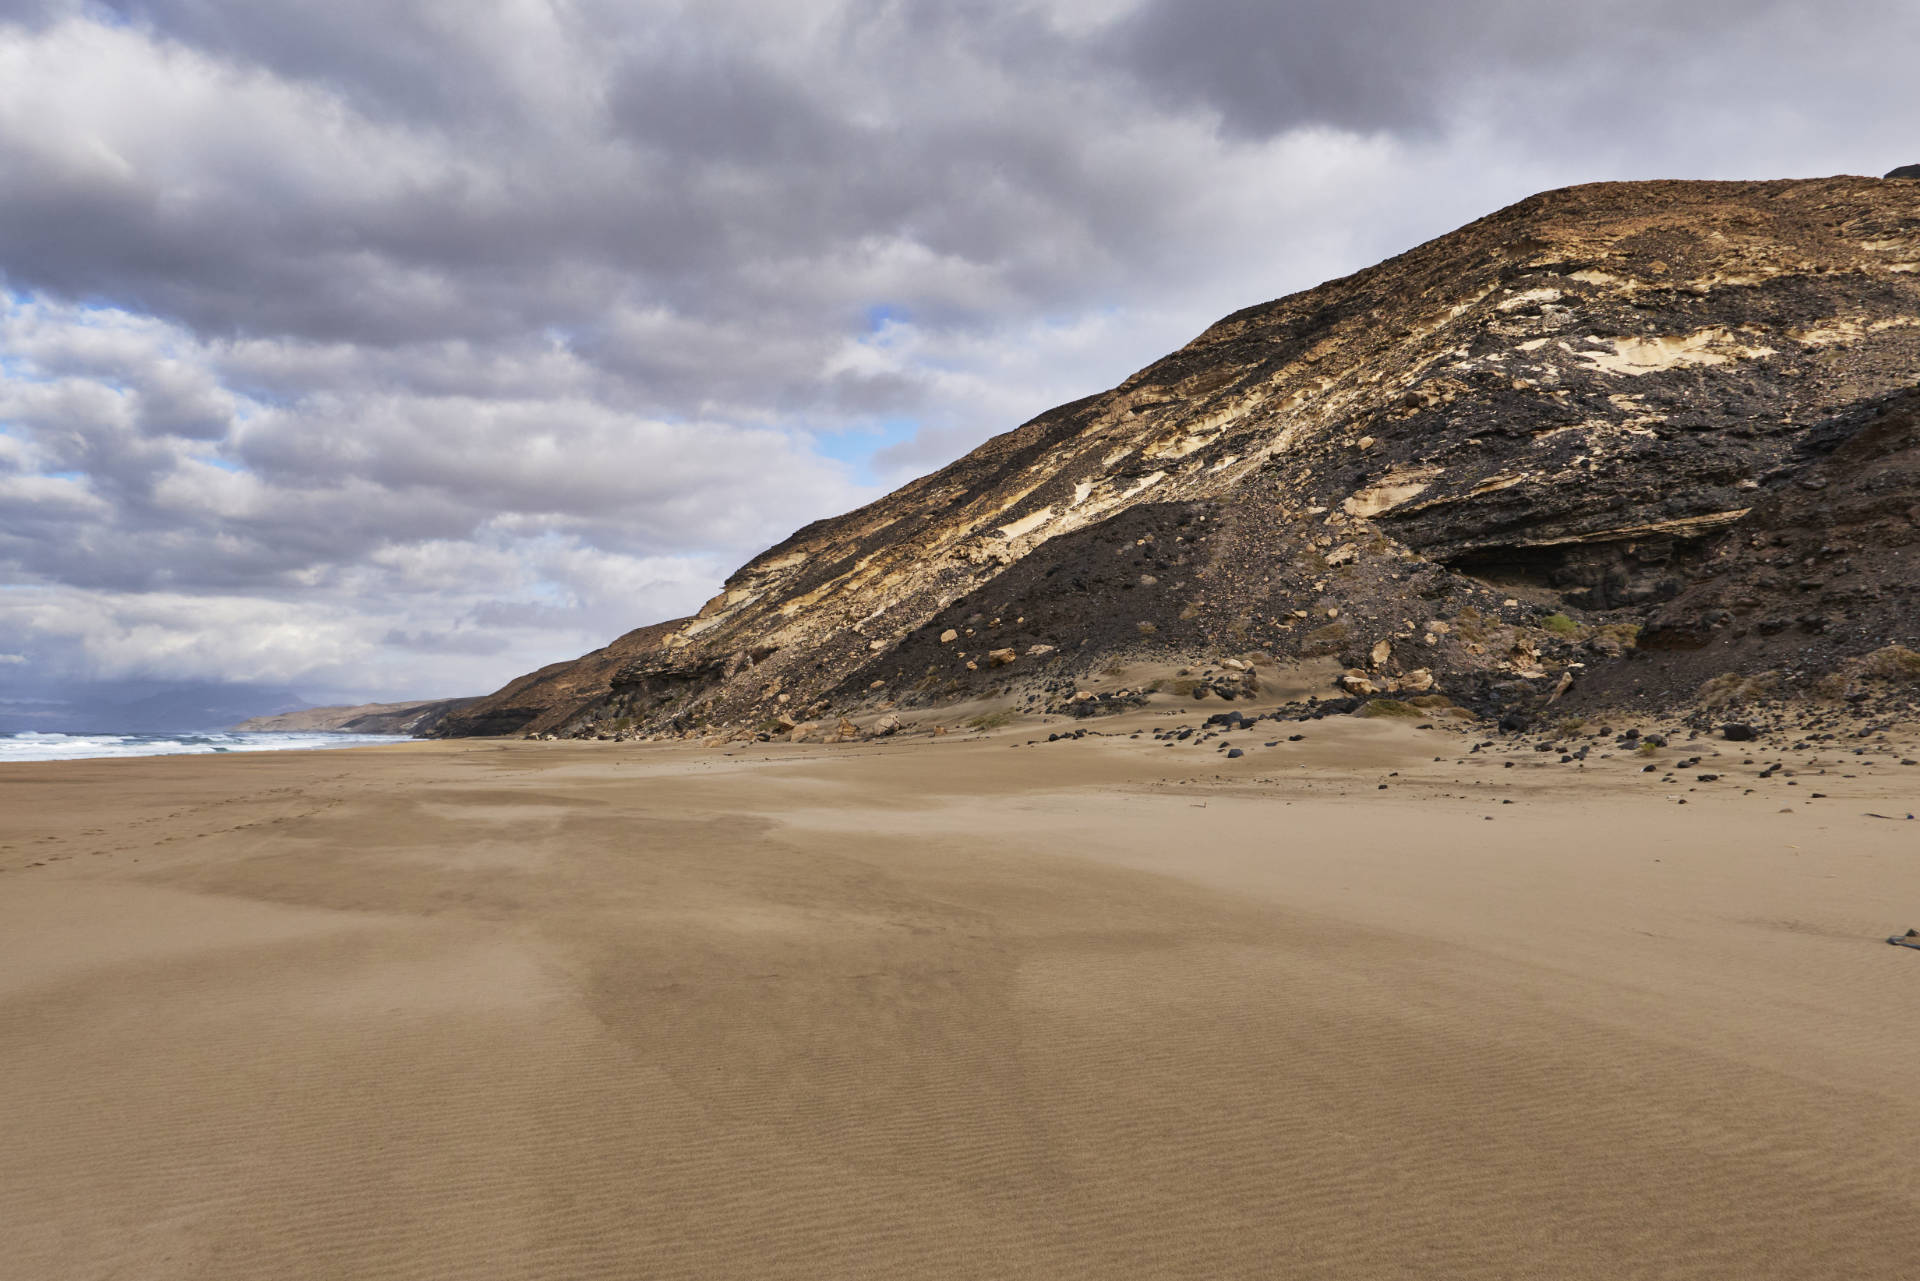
x=546, y=700
x=1481, y=467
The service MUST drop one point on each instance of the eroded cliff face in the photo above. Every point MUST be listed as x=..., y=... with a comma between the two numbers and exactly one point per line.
x=1469, y=466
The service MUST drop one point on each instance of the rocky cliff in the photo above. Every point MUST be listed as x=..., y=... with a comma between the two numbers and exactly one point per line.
x=1486, y=467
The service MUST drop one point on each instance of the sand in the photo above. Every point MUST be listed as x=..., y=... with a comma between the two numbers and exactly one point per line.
x=954, y=1008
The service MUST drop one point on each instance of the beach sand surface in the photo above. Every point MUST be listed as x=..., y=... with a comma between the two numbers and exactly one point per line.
x=955, y=1007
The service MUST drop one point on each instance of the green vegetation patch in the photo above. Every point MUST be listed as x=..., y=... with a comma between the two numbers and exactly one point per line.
x=1390, y=707
x=1731, y=687
x=1323, y=641
x=1895, y=662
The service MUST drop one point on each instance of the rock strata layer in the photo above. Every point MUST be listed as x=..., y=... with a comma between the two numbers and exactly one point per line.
x=1486, y=468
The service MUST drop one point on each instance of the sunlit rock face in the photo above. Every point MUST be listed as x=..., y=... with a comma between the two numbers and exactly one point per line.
x=1498, y=453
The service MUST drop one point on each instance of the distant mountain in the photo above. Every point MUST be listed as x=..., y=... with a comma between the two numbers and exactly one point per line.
x=1480, y=471
x=416, y=718
x=137, y=707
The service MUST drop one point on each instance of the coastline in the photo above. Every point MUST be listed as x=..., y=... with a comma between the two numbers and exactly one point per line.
x=952, y=1007
x=28, y=746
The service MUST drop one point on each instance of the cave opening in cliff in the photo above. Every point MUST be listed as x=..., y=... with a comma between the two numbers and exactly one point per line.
x=1592, y=576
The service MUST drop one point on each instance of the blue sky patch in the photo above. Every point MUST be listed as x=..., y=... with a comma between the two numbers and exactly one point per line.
x=857, y=445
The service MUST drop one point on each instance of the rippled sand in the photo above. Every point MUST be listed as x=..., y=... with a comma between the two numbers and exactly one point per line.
x=951, y=1009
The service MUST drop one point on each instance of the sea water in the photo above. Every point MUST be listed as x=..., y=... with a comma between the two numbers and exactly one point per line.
x=40, y=746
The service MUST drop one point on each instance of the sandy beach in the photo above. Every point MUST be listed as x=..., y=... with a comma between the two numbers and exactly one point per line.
x=957, y=1007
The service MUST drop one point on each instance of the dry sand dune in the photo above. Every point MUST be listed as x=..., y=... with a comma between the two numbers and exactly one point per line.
x=950, y=1009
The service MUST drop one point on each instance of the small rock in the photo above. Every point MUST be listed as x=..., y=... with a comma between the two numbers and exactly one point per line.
x=1001, y=657
x=949, y=636
x=1737, y=732
x=1235, y=754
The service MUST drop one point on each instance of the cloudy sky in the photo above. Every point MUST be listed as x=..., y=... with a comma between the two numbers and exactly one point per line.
x=389, y=348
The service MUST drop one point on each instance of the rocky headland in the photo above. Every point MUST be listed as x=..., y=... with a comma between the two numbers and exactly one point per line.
x=1648, y=445
x=418, y=718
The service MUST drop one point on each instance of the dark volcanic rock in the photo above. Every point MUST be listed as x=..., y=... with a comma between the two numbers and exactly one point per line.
x=1825, y=568
x=1666, y=411
x=1905, y=171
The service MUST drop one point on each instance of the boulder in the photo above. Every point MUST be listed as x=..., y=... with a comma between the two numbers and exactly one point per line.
x=1356, y=682
x=1905, y=171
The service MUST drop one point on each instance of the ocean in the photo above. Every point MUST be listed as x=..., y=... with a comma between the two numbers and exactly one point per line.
x=39, y=746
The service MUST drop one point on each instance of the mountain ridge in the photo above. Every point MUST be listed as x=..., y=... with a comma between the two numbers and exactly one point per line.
x=417, y=717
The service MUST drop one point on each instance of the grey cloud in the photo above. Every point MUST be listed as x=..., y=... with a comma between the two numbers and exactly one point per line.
x=1408, y=66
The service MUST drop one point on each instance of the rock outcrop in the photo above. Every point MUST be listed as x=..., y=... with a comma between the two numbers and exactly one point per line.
x=1483, y=466
x=548, y=700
